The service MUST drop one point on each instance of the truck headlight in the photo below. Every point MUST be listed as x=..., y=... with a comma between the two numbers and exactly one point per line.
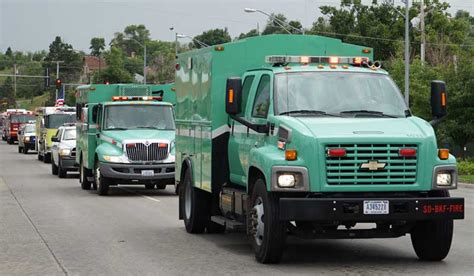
x=115, y=158
x=444, y=179
x=290, y=178
x=27, y=139
x=64, y=152
x=286, y=180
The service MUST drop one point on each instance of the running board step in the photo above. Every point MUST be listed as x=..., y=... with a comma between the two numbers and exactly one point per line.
x=229, y=223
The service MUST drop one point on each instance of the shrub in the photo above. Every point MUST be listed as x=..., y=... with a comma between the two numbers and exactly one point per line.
x=466, y=167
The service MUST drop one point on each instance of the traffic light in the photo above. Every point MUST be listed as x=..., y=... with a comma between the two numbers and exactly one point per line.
x=58, y=83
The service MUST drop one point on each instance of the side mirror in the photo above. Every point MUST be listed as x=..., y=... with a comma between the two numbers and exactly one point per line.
x=233, y=97
x=95, y=112
x=438, y=101
x=55, y=139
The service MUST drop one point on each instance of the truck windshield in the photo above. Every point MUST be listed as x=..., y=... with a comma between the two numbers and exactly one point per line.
x=57, y=120
x=137, y=116
x=69, y=134
x=338, y=93
x=22, y=118
x=30, y=128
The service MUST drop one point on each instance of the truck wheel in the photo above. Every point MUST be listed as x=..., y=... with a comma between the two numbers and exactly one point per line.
x=40, y=157
x=432, y=239
x=25, y=150
x=83, y=174
x=194, y=206
x=102, y=182
x=54, y=168
x=268, y=233
x=161, y=186
x=62, y=173
x=20, y=149
x=149, y=186
x=10, y=141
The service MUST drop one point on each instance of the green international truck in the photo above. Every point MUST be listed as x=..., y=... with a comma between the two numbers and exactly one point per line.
x=125, y=135
x=305, y=135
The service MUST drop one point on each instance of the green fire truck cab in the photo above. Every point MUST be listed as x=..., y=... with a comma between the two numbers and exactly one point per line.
x=305, y=135
x=125, y=135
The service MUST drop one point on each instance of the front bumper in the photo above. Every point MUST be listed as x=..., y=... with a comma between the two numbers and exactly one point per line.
x=162, y=172
x=68, y=163
x=351, y=209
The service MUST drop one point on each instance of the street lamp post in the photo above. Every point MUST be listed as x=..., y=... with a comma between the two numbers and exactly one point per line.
x=406, y=16
x=202, y=44
x=276, y=20
x=144, y=57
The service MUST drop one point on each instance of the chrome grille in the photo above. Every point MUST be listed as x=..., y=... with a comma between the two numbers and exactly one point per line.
x=347, y=170
x=142, y=152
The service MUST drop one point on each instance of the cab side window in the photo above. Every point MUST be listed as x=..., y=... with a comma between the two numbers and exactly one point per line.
x=261, y=103
x=245, y=92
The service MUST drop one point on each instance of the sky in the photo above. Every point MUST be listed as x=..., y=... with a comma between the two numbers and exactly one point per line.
x=31, y=25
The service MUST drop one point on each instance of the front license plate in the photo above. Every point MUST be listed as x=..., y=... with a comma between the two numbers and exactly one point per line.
x=376, y=207
x=148, y=173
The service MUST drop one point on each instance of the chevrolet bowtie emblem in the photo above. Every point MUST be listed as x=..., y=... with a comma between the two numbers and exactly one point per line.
x=372, y=165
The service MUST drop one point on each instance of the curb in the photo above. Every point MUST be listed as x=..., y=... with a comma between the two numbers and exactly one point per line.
x=466, y=185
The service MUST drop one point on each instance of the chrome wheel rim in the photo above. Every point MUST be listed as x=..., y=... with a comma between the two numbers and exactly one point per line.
x=97, y=175
x=258, y=221
x=187, y=201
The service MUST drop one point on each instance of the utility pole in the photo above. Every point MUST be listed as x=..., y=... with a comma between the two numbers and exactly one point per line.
x=176, y=45
x=422, y=27
x=14, y=82
x=407, y=53
x=144, y=62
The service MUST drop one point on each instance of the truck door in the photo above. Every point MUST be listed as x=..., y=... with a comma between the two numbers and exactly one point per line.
x=258, y=109
x=238, y=137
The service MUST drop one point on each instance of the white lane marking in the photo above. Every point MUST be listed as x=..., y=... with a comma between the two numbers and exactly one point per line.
x=133, y=192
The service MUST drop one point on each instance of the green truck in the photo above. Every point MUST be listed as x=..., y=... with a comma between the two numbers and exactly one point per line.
x=306, y=135
x=125, y=135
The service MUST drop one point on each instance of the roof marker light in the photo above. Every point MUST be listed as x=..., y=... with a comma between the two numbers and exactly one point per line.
x=333, y=60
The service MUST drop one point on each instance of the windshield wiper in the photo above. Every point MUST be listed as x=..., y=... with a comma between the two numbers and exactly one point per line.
x=378, y=113
x=148, y=127
x=116, y=128
x=307, y=111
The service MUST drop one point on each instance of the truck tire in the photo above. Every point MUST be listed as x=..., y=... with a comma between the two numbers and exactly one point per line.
x=194, y=205
x=431, y=239
x=161, y=186
x=149, y=186
x=10, y=141
x=102, y=182
x=25, y=150
x=83, y=174
x=20, y=149
x=40, y=157
x=269, y=233
x=54, y=168
x=62, y=173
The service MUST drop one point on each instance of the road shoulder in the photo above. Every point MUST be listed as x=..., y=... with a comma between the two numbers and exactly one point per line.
x=22, y=249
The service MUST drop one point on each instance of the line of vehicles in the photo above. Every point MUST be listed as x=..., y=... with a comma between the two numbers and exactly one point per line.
x=274, y=136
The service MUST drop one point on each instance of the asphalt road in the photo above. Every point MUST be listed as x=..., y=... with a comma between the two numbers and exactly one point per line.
x=50, y=226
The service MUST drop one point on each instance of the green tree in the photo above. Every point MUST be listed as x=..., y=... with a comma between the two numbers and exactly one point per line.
x=212, y=37
x=7, y=92
x=71, y=64
x=252, y=32
x=275, y=23
x=9, y=52
x=115, y=72
x=129, y=39
x=97, y=46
